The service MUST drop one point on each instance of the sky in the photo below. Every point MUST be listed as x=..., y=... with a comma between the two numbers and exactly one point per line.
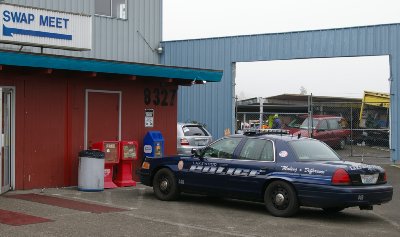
x=344, y=77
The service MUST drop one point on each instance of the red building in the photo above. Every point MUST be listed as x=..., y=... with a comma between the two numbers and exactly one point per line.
x=53, y=107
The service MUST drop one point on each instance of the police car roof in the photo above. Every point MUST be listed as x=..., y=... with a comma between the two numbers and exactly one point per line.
x=278, y=136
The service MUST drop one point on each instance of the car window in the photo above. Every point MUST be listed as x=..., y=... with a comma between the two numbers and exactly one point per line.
x=313, y=150
x=296, y=122
x=257, y=149
x=323, y=125
x=307, y=123
x=223, y=148
x=194, y=130
x=333, y=124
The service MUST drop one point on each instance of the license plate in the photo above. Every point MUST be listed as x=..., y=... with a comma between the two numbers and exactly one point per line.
x=369, y=178
x=201, y=142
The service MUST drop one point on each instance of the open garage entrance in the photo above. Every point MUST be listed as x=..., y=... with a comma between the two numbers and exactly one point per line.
x=354, y=89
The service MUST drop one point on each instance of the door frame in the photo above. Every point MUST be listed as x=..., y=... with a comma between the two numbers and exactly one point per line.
x=87, y=112
x=12, y=143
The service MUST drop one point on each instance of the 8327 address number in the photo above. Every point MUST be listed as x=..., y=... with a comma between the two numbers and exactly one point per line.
x=159, y=96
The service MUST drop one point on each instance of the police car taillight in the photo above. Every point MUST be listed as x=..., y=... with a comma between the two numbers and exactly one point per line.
x=384, y=177
x=184, y=142
x=341, y=177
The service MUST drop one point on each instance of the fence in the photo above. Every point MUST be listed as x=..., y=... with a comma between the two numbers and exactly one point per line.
x=352, y=129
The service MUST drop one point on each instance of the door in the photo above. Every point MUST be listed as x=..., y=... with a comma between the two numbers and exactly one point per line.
x=322, y=132
x=255, y=160
x=210, y=172
x=103, y=116
x=5, y=139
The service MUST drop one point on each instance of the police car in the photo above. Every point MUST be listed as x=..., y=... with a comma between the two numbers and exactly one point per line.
x=281, y=170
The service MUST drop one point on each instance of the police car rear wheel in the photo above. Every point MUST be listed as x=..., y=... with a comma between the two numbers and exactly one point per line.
x=165, y=186
x=280, y=199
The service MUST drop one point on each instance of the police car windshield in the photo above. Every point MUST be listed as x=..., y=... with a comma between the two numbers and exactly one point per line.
x=313, y=150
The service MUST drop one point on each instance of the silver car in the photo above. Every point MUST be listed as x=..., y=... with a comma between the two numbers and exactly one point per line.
x=191, y=136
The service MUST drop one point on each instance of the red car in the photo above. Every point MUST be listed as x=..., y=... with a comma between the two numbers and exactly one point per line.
x=327, y=128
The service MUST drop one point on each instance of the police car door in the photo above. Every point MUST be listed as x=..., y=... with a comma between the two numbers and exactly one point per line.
x=209, y=172
x=254, y=162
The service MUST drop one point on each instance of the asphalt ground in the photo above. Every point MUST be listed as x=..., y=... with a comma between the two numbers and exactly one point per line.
x=195, y=215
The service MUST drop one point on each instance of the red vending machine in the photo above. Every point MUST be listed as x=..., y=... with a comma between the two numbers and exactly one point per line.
x=111, y=151
x=128, y=155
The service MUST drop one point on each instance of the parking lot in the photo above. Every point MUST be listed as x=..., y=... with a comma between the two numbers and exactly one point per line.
x=193, y=215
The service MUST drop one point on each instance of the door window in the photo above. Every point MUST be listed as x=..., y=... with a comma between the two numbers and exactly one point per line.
x=323, y=125
x=257, y=149
x=333, y=124
x=223, y=148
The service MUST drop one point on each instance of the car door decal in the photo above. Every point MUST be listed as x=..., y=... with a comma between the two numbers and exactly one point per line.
x=223, y=170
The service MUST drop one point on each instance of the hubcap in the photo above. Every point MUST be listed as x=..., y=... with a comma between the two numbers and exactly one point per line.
x=279, y=199
x=164, y=185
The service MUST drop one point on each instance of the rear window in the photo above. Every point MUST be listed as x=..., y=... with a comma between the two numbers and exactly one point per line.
x=193, y=130
x=313, y=150
x=296, y=122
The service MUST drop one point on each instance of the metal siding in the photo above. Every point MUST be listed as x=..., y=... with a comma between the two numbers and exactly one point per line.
x=113, y=39
x=213, y=103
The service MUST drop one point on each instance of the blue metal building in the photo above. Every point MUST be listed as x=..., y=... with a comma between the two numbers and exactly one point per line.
x=213, y=103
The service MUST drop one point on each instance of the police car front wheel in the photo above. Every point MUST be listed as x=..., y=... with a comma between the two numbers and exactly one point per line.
x=280, y=199
x=165, y=186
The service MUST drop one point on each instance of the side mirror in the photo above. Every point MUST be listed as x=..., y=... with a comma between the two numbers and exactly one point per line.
x=193, y=151
x=196, y=152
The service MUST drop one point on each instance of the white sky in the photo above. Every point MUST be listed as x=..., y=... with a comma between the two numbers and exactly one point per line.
x=190, y=19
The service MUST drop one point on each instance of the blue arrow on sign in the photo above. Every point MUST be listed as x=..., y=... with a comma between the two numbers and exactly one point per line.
x=8, y=31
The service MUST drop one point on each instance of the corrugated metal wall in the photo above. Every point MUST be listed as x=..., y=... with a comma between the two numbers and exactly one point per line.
x=113, y=39
x=213, y=103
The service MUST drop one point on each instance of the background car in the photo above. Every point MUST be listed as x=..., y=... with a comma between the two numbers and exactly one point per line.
x=191, y=135
x=294, y=125
x=327, y=128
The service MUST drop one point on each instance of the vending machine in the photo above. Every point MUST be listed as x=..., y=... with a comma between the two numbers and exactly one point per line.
x=111, y=157
x=128, y=155
x=153, y=144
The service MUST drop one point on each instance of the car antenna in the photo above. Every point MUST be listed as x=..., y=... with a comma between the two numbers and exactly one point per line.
x=298, y=136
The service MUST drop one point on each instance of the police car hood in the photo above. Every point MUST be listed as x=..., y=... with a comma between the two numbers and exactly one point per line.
x=350, y=167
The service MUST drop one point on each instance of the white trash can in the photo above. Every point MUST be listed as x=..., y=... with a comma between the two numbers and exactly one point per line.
x=91, y=171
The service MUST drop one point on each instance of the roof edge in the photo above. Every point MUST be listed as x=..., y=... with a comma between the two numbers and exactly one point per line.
x=13, y=58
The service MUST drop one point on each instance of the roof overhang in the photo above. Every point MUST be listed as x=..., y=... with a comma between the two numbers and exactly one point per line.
x=13, y=58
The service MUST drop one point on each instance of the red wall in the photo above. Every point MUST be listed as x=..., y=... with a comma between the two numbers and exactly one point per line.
x=50, y=113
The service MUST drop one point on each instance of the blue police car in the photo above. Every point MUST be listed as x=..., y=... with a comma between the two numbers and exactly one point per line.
x=283, y=171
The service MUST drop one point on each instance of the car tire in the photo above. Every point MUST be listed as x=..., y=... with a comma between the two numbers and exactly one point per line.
x=281, y=199
x=165, y=185
x=333, y=210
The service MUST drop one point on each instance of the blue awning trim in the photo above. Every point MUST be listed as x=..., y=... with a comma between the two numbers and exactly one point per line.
x=115, y=67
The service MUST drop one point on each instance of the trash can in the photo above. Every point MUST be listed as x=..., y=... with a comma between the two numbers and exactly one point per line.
x=153, y=144
x=91, y=171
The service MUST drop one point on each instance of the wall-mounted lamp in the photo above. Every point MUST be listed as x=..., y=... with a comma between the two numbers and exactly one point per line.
x=159, y=50
x=198, y=82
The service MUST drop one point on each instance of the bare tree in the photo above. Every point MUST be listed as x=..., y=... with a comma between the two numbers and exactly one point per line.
x=303, y=91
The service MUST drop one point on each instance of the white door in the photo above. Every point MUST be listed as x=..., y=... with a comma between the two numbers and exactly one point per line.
x=6, y=100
